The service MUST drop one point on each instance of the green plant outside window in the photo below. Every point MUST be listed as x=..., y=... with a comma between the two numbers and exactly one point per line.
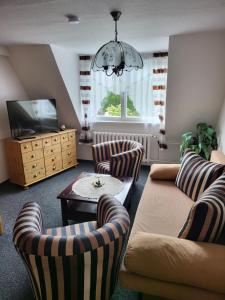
x=111, y=106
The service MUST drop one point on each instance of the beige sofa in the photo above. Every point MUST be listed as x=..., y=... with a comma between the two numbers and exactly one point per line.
x=156, y=261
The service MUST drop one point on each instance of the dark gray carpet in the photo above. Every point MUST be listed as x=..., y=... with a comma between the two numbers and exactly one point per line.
x=14, y=282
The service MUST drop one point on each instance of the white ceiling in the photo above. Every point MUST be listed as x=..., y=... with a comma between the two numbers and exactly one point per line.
x=146, y=24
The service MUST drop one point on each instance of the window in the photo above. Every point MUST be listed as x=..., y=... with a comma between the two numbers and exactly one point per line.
x=136, y=96
x=125, y=98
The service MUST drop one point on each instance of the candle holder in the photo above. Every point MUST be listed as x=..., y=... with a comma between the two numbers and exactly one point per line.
x=97, y=183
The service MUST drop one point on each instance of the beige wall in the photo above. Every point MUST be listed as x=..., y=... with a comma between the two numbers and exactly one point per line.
x=221, y=129
x=10, y=89
x=196, y=73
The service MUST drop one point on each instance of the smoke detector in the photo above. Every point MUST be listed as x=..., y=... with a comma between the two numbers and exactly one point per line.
x=73, y=19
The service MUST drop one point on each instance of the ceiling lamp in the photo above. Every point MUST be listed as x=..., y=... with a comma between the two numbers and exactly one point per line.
x=116, y=56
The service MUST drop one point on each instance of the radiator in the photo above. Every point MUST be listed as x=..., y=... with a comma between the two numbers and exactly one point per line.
x=149, y=142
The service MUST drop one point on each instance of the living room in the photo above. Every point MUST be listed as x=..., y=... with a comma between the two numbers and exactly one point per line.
x=74, y=126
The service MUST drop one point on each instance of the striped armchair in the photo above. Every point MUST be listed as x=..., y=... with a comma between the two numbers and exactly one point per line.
x=74, y=262
x=118, y=158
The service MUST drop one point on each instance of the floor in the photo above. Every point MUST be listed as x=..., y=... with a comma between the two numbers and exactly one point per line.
x=14, y=283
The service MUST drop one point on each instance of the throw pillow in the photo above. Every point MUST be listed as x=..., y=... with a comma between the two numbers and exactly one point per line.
x=164, y=171
x=206, y=220
x=196, y=174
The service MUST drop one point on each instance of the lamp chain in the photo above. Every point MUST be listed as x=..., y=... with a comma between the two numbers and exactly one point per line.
x=116, y=32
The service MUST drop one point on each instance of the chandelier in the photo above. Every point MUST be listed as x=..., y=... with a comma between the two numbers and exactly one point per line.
x=116, y=56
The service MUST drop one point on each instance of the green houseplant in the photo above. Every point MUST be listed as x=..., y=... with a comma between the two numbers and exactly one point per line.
x=202, y=143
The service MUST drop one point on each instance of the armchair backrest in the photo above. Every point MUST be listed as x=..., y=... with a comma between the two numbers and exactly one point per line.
x=125, y=157
x=77, y=267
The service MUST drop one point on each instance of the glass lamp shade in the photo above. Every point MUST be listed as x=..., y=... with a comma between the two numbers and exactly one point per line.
x=116, y=57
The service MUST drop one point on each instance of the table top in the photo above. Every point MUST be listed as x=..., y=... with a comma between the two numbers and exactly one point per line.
x=69, y=194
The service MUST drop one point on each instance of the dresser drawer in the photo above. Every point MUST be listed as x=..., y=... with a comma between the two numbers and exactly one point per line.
x=37, y=144
x=68, y=145
x=26, y=147
x=71, y=136
x=68, y=162
x=53, y=159
x=55, y=140
x=32, y=156
x=53, y=168
x=68, y=153
x=49, y=151
x=35, y=165
x=47, y=142
x=64, y=137
x=34, y=176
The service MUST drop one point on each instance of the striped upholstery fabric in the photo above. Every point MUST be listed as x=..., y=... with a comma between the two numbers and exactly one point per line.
x=196, y=174
x=206, y=220
x=82, y=228
x=76, y=262
x=103, y=167
x=118, y=158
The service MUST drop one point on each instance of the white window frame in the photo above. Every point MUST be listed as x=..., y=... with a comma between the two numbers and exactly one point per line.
x=123, y=118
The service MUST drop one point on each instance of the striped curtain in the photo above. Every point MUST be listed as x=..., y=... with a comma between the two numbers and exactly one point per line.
x=85, y=97
x=159, y=81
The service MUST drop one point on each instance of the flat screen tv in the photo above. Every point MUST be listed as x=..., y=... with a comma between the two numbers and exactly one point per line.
x=29, y=117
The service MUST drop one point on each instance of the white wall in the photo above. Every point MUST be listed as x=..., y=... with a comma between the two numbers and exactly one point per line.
x=221, y=129
x=40, y=76
x=196, y=72
x=68, y=65
x=10, y=89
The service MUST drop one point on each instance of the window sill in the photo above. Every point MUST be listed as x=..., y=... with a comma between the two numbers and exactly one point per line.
x=127, y=121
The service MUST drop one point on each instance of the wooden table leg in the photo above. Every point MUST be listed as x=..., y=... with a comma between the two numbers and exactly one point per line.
x=64, y=212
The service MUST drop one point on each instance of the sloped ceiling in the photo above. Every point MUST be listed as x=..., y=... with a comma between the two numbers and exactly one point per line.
x=146, y=24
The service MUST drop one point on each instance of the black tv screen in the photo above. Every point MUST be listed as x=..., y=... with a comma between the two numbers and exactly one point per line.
x=29, y=117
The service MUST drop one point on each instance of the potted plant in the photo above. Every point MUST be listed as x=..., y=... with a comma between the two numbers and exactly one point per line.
x=202, y=143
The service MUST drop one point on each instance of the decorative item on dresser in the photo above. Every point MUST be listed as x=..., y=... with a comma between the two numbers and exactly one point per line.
x=32, y=160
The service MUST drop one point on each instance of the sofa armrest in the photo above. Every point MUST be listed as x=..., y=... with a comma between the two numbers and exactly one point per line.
x=164, y=171
x=177, y=260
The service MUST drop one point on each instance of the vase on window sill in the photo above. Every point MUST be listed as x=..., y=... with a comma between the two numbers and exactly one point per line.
x=85, y=135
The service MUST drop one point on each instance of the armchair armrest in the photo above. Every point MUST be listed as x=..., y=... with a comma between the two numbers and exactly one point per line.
x=101, y=152
x=177, y=260
x=164, y=171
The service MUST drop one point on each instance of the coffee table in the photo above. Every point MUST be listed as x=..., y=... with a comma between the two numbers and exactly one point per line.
x=75, y=207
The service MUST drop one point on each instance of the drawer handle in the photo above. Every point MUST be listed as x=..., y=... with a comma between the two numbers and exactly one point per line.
x=53, y=159
x=26, y=147
x=68, y=145
x=69, y=153
x=54, y=167
x=69, y=162
x=46, y=142
x=52, y=150
x=35, y=175
x=34, y=166
x=55, y=140
x=32, y=156
x=36, y=145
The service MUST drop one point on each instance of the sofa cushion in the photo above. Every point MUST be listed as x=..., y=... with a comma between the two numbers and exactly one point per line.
x=206, y=220
x=164, y=171
x=163, y=208
x=196, y=174
x=177, y=261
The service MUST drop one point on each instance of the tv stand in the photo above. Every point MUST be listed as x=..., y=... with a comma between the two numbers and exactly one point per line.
x=36, y=158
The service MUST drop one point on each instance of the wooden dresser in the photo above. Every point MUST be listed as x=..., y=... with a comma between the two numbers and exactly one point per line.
x=32, y=160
